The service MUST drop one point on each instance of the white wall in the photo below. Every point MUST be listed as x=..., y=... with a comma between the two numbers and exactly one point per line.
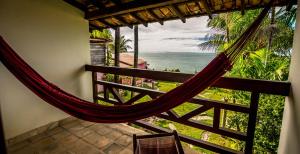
x=53, y=38
x=290, y=131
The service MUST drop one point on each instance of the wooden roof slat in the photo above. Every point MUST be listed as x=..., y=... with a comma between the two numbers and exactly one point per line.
x=107, y=24
x=178, y=13
x=123, y=22
x=94, y=25
x=139, y=19
x=207, y=9
x=153, y=15
x=199, y=6
x=188, y=8
x=149, y=11
x=131, y=6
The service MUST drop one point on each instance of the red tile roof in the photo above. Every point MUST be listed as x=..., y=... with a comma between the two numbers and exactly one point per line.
x=126, y=60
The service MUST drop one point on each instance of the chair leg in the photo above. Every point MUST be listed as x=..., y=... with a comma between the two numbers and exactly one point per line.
x=177, y=139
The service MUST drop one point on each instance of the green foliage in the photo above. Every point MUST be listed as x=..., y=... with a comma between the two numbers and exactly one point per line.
x=106, y=34
x=109, y=77
x=126, y=93
x=269, y=123
x=266, y=57
x=147, y=86
x=172, y=70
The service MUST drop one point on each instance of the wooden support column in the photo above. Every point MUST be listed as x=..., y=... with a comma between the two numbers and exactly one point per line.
x=117, y=51
x=136, y=46
x=136, y=53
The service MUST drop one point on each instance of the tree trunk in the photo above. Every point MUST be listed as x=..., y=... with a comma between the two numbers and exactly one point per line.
x=270, y=35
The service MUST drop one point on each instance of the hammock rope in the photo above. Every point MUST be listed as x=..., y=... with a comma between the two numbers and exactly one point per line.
x=125, y=113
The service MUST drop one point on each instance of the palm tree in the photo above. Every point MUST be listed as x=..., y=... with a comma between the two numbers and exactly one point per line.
x=252, y=64
x=218, y=37
x=276, y=36
x=221, y=26
x=124, y=47
x=124, y=44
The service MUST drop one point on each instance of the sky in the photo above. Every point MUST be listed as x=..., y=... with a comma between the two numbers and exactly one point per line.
x=173, y=36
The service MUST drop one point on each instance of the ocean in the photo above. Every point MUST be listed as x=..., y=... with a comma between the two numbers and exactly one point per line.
x=186, y=62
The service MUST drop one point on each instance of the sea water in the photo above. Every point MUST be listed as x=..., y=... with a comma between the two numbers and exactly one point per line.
x=186, y=62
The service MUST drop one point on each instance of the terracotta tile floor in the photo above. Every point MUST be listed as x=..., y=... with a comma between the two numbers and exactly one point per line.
x=80, y=137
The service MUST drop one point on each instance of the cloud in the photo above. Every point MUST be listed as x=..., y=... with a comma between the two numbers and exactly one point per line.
x=186, y=38
x=173, y=36
x=191, y=45
x=197, y=31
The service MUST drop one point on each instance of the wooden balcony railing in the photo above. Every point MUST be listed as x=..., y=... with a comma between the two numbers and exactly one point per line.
x=255, y=87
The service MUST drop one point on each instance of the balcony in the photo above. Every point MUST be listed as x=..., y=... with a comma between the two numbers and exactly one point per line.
x=253, y=87
x=72, y=135
x=54, y=41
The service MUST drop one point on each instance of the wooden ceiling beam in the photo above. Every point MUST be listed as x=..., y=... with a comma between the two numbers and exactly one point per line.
x=107, y=24
x=199, y=6
x=94, y=26
x=140, y=20
x=123, y=22
x=153, y=15
x=188, y=8
x=207, y=9
x=131, y=6
x=178, y=13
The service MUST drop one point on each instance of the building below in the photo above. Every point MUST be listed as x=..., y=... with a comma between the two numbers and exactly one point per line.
x=127, y=61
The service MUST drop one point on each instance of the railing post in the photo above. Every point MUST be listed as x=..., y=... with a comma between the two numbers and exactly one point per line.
x=252, y=122
x=117, y=51
x=255, y=86
x=216, y=122
x=95, y=86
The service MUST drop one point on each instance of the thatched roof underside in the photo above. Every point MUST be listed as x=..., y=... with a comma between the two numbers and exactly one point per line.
x=117, y=13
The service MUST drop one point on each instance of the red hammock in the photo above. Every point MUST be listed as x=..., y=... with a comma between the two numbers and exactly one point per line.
x=113, y=114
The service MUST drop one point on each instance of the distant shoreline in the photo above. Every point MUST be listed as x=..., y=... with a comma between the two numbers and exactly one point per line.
x=186, y=62
x=207, y=52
